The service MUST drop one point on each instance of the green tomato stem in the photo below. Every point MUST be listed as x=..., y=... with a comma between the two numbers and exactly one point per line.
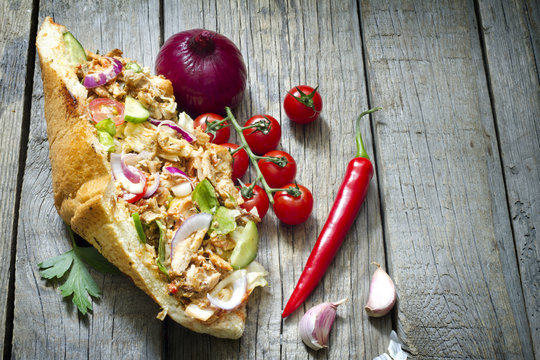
x=252, y=156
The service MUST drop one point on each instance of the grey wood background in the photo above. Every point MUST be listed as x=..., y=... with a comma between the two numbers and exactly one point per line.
x=452, y=211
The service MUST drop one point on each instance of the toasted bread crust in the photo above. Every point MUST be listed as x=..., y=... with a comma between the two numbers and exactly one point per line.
x=84, y=192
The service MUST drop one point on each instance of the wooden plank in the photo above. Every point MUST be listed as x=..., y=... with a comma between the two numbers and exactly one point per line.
x=14, y=36
x=513, y=75
x=123, y=323
x=447, y=228
x=286, y=44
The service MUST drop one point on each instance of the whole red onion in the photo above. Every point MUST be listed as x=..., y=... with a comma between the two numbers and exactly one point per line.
x=206, y=70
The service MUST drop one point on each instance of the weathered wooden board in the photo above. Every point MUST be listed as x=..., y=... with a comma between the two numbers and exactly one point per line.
x=508, y=38
x=14, y=35
x=123, y=323
x=286, y=44
x=446, y=222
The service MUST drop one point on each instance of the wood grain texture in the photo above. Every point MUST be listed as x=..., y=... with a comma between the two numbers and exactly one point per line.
x=14, y=36
x=286, y=44
x=123, y=323
x=447, y=227
x=513, y=75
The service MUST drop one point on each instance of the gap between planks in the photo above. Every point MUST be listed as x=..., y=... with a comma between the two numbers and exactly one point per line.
x=23, y=149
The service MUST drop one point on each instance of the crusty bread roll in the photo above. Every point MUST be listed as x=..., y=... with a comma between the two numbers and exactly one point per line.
x=84, y=190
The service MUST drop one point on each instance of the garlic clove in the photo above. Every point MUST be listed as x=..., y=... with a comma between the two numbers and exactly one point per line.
x=316, y=324
x=382, y=294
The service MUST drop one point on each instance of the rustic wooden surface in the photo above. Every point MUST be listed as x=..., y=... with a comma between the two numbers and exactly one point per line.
x=452, y=211
x=515, y=94
x=14, y=36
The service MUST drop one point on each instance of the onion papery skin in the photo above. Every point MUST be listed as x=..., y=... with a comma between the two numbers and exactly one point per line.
x=206, y=69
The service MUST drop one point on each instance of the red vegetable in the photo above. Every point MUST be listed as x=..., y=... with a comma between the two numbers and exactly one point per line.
x=348, y=201
x=112, y=70
x=256, y=198
x=240, y=161
x=293, y=204
x=206, y=70
x=103, y=108
x=220, y=133
x=263, y=135
x=303, y=104
x=279, y=171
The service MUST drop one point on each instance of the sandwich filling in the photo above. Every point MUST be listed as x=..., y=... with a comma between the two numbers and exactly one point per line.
x=175, y=184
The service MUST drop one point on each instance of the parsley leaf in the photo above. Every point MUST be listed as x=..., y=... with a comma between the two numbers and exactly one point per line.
x=79, y=282
x=97, y=261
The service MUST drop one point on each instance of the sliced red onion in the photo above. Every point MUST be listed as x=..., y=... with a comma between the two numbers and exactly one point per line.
x=124, y=174
x=94, y=80
x=185, y=134
x=189, y=226
x=176, y=171
x=152, y=189
x=239, y=291
x=132, y=173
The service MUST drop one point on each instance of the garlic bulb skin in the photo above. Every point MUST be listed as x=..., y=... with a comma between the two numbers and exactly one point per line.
x=316, y=324
x=382, y=294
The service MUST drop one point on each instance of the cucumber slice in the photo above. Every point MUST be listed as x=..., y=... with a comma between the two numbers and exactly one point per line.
x=247, y=243
x=134, y=111
x=75, y=51
x=133, y=66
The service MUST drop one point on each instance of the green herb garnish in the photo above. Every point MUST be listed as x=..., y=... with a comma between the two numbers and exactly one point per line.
x=79, y=282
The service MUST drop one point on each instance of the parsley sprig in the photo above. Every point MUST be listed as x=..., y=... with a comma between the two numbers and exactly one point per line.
x=79, y=282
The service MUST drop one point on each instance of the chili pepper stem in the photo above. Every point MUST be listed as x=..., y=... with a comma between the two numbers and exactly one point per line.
x=360, y=148
x=250, y=153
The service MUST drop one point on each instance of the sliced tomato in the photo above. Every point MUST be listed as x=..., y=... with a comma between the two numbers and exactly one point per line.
x=103, y=108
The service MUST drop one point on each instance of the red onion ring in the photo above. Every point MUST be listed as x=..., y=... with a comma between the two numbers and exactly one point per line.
x=239, y=291
x=94, y=80
x=176, y=171
x=152, y=189
x=125, y=173
x=185, y=134
x=192, y=224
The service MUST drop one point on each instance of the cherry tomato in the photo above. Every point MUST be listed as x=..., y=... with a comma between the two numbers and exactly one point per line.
x=293, y=208
x=275, y=175
x=303, y=104
x=103, y=108
x=265, y=137
x=240, y=161
x=222, y=134
x=258, y=200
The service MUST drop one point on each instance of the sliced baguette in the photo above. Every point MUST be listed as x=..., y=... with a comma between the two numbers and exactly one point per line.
x=84, y=188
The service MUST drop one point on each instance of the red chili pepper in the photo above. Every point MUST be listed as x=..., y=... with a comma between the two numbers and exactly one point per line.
x=348, y=201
